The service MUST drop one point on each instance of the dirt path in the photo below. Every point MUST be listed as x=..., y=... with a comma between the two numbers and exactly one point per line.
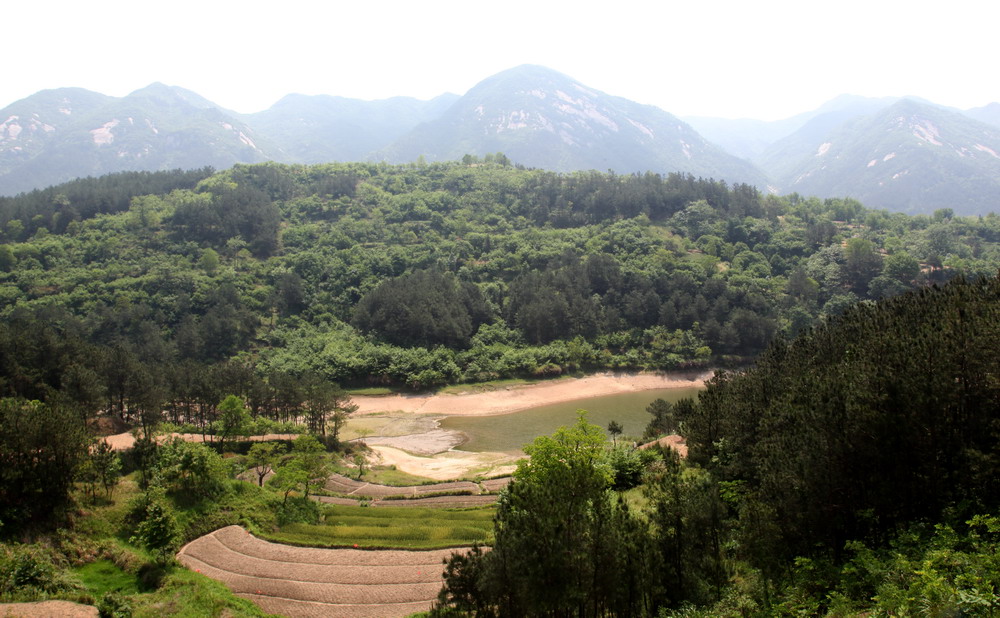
x=515, y=398
x=439, y=502
x=302, y=581
x=125, y=441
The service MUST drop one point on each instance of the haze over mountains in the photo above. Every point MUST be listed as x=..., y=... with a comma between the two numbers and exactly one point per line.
x=902, y=154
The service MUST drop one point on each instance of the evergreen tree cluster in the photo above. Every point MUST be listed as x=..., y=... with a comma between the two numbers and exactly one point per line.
x=887, y=415
x=56, y=207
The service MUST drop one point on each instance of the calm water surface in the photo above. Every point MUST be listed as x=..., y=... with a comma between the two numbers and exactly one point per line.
x=509, y=432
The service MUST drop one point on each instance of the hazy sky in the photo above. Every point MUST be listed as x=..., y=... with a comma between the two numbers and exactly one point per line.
x=766, y=59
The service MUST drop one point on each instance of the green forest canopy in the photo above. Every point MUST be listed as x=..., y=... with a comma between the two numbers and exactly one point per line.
x=142, y=290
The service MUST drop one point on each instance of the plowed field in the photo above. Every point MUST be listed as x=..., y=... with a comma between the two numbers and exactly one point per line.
x=300, y=581
x=347, y=486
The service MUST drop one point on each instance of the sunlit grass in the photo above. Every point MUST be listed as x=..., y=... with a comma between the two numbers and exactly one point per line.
x=104, y=576
x=373, y=391
x=403, y=528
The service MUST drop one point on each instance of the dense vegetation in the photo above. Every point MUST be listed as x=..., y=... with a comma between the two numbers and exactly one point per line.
x=237, y=302
x=422, y=275
x=850, y=471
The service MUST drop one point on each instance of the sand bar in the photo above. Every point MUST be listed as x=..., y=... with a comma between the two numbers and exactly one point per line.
x=515, y=398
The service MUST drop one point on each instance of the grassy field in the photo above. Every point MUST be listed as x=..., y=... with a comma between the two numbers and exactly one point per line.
x=410, y=528
x=105, y=576
x=381, y=475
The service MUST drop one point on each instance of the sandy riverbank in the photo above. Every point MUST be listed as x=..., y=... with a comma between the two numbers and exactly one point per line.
x=516, y=398
x=429, y=451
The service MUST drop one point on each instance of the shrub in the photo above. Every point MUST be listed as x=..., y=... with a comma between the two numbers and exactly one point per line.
x=28, y=572
x=114, y=605
x=298, y=510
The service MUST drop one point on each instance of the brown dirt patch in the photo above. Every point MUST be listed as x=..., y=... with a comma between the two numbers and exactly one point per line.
x=301, y=581
x=47, y=609
x=673, y=441
x=440, y=502
x=125, y=441
x=495, y=485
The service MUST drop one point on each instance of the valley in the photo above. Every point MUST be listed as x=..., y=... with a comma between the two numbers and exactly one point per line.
x=357, y=354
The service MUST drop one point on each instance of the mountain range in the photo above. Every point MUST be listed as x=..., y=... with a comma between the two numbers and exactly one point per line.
x=902, y=154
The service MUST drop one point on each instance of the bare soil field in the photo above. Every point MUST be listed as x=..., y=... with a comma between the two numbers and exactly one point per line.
x=47, y=609
x=300, y=581
x=441, y=502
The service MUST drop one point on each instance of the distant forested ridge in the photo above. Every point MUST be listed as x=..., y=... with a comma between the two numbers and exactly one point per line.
x=145, y=291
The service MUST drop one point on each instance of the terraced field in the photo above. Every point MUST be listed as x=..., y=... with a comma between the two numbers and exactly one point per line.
x=451, y=494
x=429, y=527
x=301, y=581
x=343, y=485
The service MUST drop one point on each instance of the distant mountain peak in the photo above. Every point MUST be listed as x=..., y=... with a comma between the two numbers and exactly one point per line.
x=900, y=153
x=542, y=118
x=911, y=156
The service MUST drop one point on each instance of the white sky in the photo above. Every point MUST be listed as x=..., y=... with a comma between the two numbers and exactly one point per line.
x=766, y=59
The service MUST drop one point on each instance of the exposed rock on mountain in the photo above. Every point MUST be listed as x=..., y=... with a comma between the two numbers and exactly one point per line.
x=541, y=118
x=910, y=156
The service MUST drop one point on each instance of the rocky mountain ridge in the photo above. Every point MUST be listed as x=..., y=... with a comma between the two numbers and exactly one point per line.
x=538, y=118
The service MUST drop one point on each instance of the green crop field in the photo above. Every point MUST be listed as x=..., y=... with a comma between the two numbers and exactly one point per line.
x=410, y=528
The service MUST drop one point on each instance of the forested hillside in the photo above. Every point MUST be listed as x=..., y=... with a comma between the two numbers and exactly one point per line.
x=851, y=471
x=142, y=291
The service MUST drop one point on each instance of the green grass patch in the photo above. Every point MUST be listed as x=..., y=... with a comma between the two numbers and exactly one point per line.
x=382, y=475
x=373, y=391
x=105, y=576
x=391, y=476
x=335, y=512
x=185, y=593
x=485, y=387
x=409, y=528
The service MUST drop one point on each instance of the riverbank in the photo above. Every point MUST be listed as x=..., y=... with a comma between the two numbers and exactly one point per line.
x=516, y=398
x=404, y=431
